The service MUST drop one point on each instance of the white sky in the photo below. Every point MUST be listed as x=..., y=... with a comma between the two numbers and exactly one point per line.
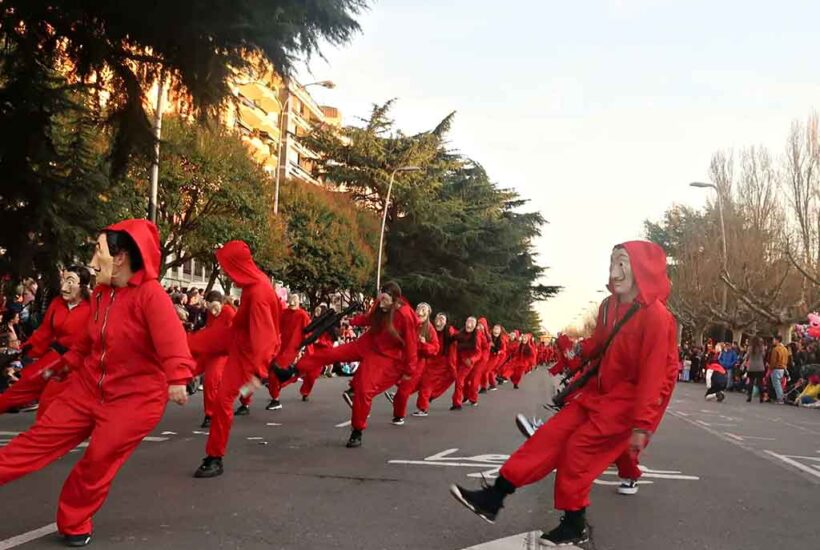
x=598, y=111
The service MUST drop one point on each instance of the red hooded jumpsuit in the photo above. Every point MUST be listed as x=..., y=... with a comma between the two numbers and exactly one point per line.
x=522, y=361
x=211, y=354
x=438, y=374
x=427, y=352
x=133, y=349
x=293, y=325
x=61, y=329
x=631, y=392
x=498, y=350
x=473, y=382
x=465, y=353
x=252, y=341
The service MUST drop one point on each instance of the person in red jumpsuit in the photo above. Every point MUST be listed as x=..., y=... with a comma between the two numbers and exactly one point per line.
x=498, y=352
x=523, y=360
x=439, y=373
x=209, y=352
x=614, y=412
x=505, y=370
x=428, y=349
x=132, y=359
x=472, y=385
x=465, y=354
x=387, y=354
x=252, y=341
x=64, y=324
x=293, y=323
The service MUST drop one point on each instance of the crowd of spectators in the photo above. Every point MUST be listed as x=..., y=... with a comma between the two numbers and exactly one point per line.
x=767, y=370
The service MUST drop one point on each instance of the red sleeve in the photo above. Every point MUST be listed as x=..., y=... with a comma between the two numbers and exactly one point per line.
x=44, y=335
x=653, y=357
x=79, y=350
x=167, y=335
x=213, y=340
x=264, y=337
x=502, y=347
x=411, y=343
x=431, y=347
x=591, y=346
x=452, y=357
x=363, y=319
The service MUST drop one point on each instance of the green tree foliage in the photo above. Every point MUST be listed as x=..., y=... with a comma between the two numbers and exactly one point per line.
x=332, y=243
x=210, y=192
x=454, y=238
x=57, y=55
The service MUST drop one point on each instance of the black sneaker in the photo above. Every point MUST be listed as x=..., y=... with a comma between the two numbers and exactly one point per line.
x=482, y=390
x=398, y=421
x=348, y=397
x=211, y=467
x=455, y=408
x=242, y=410
x=570, y=532
x=274, y=405
x=206, y=422
x=305, y=398
x=515, y=386
x=77, y=541
x=355, y=439
x=485, y=503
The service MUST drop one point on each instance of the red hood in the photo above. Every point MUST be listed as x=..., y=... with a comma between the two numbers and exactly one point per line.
x=483, y=322
x=146, y=236
x=236, y=260
x=648, y=262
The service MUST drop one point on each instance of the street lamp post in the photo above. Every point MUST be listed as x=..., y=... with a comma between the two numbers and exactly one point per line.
x=384, y=220
x=283, y=128
x=725, y=261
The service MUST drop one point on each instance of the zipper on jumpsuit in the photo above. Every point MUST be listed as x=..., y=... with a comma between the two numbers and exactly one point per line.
x=102, y=345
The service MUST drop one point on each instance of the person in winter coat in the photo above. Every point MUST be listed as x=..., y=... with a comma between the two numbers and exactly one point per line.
x=210, y=354
x=132, y=359
x=64, y=324
x=465, y=354
x=293, y=323
x=438, y=374
x=252, y=341
x=428, y=347
x=614, y=412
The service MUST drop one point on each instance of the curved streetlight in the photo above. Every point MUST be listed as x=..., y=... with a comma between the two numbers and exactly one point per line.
x=280, y=165
x=702, y=185
x=384, y=220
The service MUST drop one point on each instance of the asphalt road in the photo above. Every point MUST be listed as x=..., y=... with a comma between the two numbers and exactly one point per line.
x=722, y=476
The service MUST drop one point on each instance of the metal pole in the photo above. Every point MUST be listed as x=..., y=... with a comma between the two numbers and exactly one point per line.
x=381, y=235
x=152, y=199
x=723, y=242
x=280, y=160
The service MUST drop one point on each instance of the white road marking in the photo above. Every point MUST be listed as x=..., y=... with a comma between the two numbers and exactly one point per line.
x=28, y=537
x=273, y=424
x=521, y=541
x=745, y=437
x=255, y=438
x=169, y=433
x=343, y=424
x=10, y=433
x=799, y=466
x=154, y=438
x=201, y=433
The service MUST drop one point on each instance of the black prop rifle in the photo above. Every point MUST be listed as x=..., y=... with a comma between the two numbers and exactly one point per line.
x=314, y=330
x=581, y=380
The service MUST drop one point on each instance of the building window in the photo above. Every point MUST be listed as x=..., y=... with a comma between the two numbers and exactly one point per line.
x=188, y=267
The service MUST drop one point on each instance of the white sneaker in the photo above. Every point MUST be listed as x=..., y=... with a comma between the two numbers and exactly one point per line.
x=628, y=487
x=421, y=413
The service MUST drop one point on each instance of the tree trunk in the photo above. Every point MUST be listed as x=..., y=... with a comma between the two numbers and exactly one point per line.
x=699, y=335
x=679, y=333
x=212, y=279
x=785, y=332
x=737, y=335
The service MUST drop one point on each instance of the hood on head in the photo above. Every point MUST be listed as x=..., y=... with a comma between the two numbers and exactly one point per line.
x=483, y=322
x=146, y=236
x=236, y=260
x=648, y=261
